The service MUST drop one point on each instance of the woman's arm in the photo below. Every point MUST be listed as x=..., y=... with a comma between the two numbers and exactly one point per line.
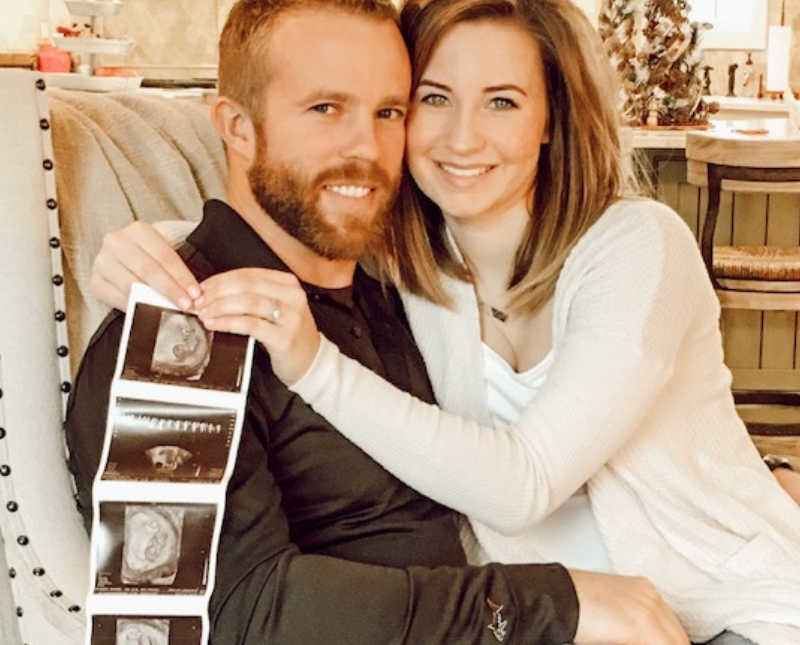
x=629, y=313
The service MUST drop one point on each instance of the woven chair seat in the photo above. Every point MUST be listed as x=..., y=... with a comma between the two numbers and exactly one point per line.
x=770, y=263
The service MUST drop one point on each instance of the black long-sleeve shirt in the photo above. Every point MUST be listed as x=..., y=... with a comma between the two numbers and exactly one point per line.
x=319, y=543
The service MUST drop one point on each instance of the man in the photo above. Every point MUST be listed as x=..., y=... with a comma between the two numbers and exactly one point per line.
x=320, y=544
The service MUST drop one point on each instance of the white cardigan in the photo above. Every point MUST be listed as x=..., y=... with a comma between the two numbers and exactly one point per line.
x=637, y=402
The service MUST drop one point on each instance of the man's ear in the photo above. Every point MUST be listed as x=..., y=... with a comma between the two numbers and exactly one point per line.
x=236, y=128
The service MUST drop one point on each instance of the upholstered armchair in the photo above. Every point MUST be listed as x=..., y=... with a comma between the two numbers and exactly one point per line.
x=73, y=166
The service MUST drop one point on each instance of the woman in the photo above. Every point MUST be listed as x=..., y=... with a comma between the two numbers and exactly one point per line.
x=574, y=329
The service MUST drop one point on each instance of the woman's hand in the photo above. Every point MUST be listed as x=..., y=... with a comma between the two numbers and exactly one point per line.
x=269, y=305
x=138, y=253
x=790, y=480
x=623, y=610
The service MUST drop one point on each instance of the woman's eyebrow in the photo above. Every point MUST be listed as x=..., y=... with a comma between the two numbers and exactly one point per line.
x=505, y=87
x=441, y=86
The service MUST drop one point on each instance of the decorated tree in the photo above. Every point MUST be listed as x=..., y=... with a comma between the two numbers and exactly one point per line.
x=656, y=50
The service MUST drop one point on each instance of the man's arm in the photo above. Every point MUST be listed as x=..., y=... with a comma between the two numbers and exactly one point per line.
x=267, y=591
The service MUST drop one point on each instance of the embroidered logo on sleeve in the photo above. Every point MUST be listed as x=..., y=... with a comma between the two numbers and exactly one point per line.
x=499, y=625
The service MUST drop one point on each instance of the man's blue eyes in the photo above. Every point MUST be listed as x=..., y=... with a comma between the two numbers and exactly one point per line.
x=391, y=113
x=385, y=113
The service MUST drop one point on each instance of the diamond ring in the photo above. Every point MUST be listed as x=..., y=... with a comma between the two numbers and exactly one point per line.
x=275, y=312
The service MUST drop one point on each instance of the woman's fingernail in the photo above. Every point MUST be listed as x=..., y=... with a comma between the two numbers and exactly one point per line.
x=199, y=302
x=184, y=303
x=194, y=292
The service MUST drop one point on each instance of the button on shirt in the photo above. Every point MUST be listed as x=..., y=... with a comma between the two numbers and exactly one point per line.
x=319, y=543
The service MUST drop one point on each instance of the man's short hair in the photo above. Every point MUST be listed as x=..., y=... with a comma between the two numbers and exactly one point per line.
x=243, y=45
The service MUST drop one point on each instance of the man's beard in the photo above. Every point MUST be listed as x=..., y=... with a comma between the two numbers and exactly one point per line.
x=292, y=200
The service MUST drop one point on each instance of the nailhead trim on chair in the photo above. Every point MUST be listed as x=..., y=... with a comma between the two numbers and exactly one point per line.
x=59, y=297
x=47, y=585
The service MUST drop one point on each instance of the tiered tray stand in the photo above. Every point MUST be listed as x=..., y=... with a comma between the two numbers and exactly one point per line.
x=91, y=47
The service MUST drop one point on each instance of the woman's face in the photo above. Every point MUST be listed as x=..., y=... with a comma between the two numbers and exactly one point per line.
x=478, y=119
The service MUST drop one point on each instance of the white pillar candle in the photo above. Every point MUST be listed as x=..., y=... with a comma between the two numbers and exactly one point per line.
x=779, y=56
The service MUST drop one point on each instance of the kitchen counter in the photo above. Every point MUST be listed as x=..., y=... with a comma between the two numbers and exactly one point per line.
x=776, y=129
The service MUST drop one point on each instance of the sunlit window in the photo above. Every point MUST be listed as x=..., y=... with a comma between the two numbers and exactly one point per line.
x=741, y=27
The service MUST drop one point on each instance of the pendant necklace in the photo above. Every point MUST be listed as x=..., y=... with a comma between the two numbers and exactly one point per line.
x=497, y=314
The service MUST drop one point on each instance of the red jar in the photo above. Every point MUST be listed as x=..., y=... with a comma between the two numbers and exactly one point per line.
x=53, y=59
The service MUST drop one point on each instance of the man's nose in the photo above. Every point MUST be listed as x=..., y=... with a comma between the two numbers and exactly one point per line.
x=363, y=141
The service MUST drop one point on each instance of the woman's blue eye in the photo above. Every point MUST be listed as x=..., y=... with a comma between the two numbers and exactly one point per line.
x=502, y=103
x=434, y=99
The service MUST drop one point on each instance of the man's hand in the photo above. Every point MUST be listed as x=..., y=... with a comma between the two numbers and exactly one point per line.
x=138, y=253
x=623, y=610
x=269, y=305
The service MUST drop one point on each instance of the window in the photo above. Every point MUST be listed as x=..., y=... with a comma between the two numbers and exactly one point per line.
x=741, y=27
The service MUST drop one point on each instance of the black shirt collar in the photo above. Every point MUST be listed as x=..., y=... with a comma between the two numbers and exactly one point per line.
x=228, y=242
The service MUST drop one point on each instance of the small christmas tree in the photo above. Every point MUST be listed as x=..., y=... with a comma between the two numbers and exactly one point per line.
x=656, y=50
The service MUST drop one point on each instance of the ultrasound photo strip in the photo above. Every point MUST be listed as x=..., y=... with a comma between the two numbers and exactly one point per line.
x=171, y=347
x=173, y=427
x=158, y=441
x=146, y=630
x=154, y=548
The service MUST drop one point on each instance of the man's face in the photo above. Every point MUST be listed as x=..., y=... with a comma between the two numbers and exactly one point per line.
x=331, y=128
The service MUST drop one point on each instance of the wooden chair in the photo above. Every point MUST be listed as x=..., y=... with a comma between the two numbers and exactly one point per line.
x=763, y=278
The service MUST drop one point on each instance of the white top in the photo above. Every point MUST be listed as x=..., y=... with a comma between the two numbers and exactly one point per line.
x=637, y=404
x=568, y=535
